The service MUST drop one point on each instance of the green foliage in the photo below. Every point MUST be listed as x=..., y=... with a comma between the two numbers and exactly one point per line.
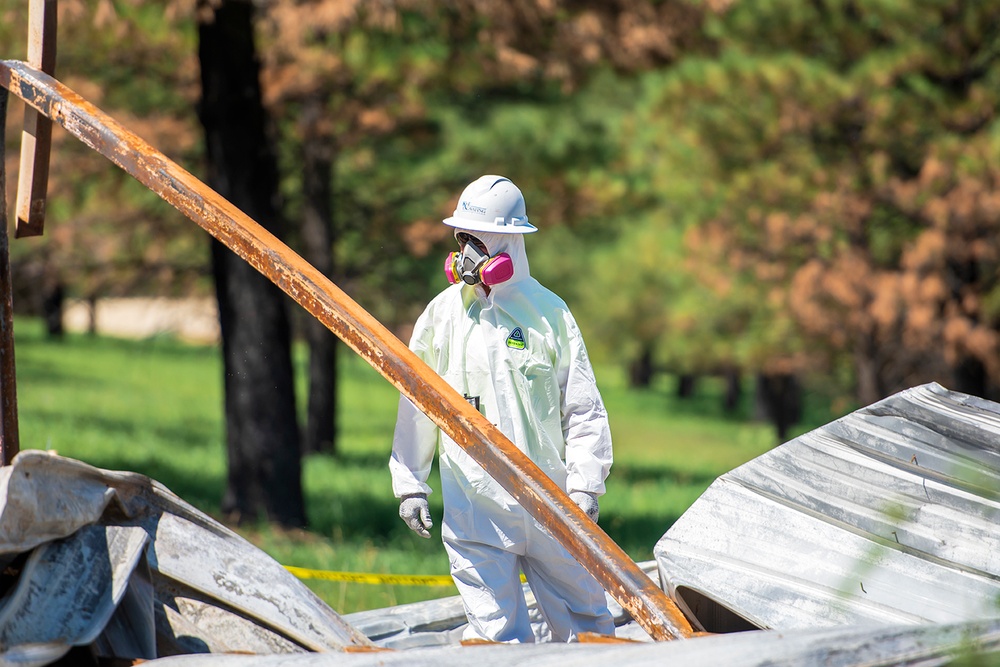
x=685, y=189
x=831, y=133
x=105, y=233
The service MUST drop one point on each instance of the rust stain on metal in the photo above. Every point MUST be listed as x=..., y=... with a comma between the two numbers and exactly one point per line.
x=538, y=494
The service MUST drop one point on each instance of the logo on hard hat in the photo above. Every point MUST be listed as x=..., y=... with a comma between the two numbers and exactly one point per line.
x=479, y=210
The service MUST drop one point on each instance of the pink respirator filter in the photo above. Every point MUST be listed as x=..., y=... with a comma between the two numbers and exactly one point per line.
x=497, y=270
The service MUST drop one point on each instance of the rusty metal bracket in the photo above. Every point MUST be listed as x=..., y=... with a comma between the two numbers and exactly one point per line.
x=539, y=495
x=36, y=139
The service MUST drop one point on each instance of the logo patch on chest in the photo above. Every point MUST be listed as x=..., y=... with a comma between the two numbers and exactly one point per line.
x=516, y=339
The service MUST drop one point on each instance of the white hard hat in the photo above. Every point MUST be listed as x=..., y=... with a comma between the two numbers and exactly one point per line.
x=491, y=204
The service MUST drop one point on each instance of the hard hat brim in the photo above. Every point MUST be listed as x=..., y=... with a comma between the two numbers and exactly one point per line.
x=475, y=226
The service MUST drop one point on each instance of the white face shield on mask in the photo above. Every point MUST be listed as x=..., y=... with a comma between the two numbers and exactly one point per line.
x=473, y=264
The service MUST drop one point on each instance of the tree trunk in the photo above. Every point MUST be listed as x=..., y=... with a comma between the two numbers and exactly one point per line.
x=685, y=385
x=780, y=397
x=867, y=369
x=734, y=391
x=53, y=300
x=262, y=436
x=317, y=249
x=92, y=313
x=971, y=378
x=640, y=371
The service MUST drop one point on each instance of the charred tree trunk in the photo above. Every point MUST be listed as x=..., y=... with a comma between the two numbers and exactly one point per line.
x=262, y=436
x=317, y=249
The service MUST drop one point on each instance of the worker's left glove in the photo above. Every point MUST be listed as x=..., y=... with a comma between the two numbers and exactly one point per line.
x=587, y=502
x=415, y=511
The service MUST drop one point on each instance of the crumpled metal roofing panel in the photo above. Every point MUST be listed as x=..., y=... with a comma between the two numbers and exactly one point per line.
x=888, y=515
x=69, y=589
x=115, y=561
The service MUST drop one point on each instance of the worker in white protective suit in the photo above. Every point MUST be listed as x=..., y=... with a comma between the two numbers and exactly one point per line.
x=513, y=349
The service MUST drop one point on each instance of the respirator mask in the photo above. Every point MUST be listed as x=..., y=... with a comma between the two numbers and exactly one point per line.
x=473, y=263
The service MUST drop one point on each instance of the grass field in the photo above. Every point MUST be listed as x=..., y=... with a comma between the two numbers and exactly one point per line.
x=155, y=407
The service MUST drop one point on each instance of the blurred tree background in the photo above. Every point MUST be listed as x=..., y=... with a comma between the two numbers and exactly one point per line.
x=798, y=196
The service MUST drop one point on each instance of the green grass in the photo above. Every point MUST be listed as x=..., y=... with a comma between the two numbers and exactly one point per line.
x=155, y=407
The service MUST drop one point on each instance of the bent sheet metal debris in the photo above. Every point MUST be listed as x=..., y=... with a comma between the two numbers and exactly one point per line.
x=888, y=515
x=63, y=521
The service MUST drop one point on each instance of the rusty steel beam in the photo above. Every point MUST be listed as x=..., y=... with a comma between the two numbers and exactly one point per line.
x=9, y=438
x=539, y=495
x=36, y=139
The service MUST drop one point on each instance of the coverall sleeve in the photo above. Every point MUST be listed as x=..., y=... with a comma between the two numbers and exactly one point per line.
x=584, y=418
x=415, y=439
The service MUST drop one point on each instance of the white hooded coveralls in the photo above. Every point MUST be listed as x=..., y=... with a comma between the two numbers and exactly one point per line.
x=519, y=344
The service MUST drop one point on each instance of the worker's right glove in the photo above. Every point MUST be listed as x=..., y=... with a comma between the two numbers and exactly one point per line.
x=415, y=511
x=587, y=502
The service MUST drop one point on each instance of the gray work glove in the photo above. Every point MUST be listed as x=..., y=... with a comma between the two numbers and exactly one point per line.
x=415, y=511
x=587, y=502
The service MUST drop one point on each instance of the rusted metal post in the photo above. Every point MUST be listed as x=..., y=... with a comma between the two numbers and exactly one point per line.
x=9, y=439
x=539, y=495
x=36, y=140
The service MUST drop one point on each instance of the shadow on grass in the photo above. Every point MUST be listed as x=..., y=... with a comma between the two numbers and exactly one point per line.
x=370, y=460
x=637, y=534
x=632, y=474
x=625, y=472
x=358, y=518
x=164, y=344
x=46, y=371
x=372, y=518
x=193, y=432
x=364, y=517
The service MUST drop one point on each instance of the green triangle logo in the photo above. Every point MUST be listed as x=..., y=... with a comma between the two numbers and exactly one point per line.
x=516, y=339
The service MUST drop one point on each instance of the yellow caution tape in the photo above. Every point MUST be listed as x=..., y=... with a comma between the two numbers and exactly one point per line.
x=372, y=577
x=375, y=578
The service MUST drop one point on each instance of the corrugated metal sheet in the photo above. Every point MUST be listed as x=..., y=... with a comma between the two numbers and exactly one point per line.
x=888, y=515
